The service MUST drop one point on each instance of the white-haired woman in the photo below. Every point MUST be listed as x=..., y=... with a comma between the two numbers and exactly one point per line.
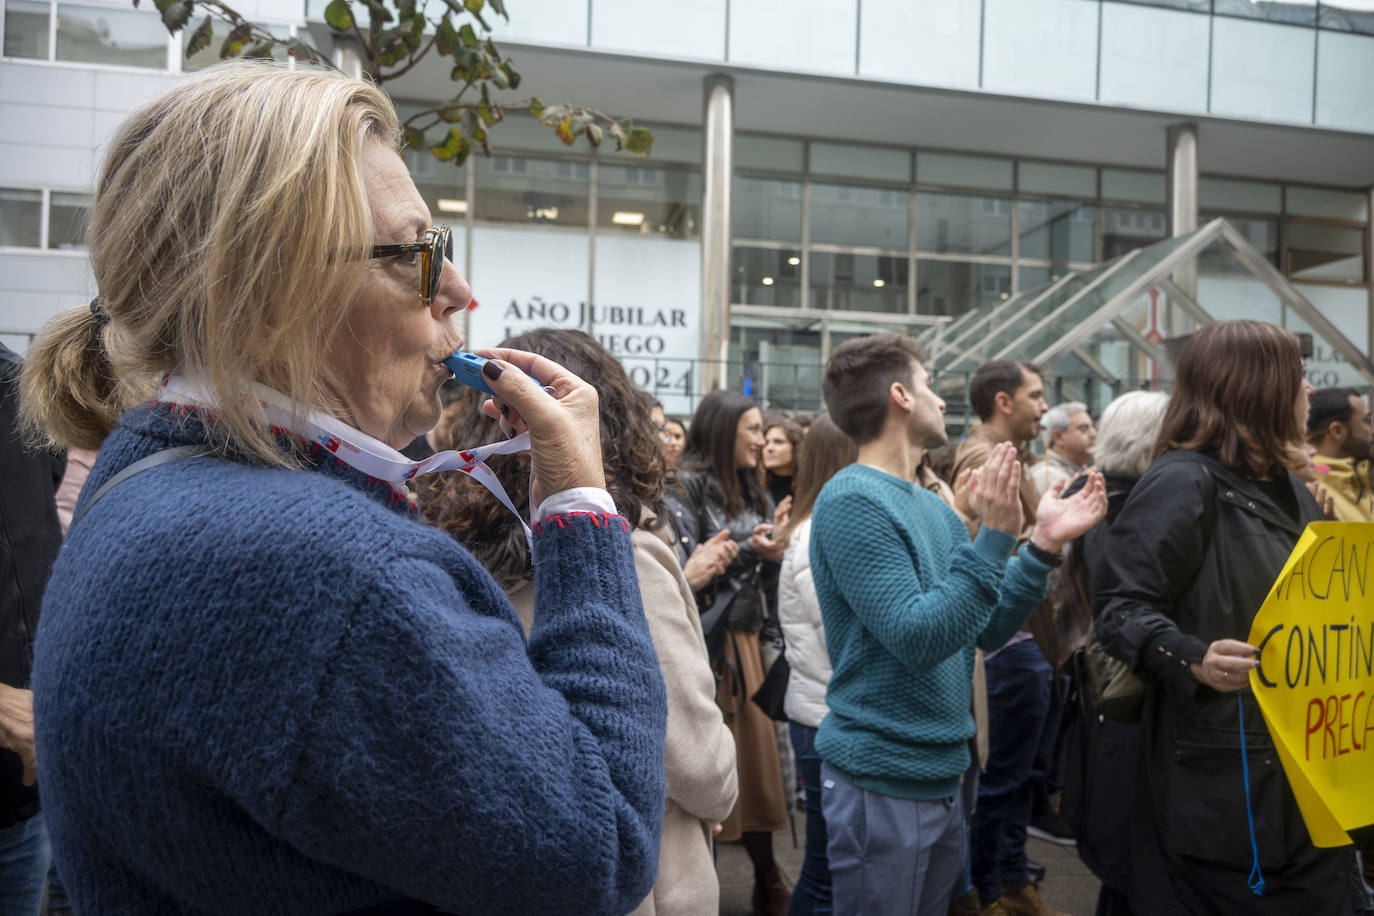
x=262, y=686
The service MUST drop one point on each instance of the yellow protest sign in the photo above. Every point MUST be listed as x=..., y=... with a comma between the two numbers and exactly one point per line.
x=1315, y=680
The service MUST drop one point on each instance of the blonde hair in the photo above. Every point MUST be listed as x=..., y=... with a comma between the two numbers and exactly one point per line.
x=228, y=237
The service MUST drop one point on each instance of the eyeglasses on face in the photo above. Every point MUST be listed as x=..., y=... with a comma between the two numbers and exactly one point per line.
x=437, y=246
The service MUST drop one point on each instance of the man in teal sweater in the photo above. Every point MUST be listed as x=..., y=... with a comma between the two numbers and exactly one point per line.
x=905, y=597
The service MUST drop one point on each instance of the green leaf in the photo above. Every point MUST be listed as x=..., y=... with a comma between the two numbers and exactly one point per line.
x=639, y=142
x=452, y=114
x=415, y=34
x=200, y=38
x=301, y=51
x=454, y=145
x=498, y=77
x=468, y=36
x=339, y=15
x=445, y=36
x=474, y=6
x=261, y=50
x=405, y=9
x=500, y=7
x=594, y=134
x=512, y=76
x=235, y=40
x=554, y=114
x=176, y=15
x=536, y=107
x=415, y=138
x=565, y=132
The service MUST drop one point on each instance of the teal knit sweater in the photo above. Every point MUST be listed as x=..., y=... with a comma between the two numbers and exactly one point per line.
x=904, y=598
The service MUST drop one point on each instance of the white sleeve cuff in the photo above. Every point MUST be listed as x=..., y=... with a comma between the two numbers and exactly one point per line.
x=576, y=499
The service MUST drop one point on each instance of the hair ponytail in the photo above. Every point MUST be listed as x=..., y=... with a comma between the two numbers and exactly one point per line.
x=69, y=395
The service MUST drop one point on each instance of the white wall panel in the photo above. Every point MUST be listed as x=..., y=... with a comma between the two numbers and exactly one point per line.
x=555, y=22
x=1345, y=77
x=1042, y=48
x=670, y=28
x=927, y=42
x=1261, y=70
x=1154, y=58
x=808, y=36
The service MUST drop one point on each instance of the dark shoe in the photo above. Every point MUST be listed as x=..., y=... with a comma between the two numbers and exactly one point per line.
x=1036, y=870
x=1026, y=901
x=1053, y=828
x=771, y=894
x=966, y=905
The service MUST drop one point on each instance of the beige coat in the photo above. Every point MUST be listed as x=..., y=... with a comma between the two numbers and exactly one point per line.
x=698, y=754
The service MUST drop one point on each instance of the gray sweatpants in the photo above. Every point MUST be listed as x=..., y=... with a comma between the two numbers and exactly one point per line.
x=891, y=855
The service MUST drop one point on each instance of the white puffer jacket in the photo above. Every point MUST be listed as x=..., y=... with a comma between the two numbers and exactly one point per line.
x=800, y=613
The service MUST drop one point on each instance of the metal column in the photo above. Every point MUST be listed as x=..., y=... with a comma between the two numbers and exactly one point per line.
x=718, y=168
x=1181, y=194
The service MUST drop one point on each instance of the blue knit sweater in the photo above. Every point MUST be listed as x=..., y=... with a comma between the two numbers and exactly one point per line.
x=904, y=598
x=270, y=691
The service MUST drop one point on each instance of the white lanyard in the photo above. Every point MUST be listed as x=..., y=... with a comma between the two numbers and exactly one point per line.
x=357, y=449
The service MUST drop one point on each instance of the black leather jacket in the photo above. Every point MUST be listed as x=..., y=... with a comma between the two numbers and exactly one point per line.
x=29, y=538
x=698, y=511
x=1188, y=561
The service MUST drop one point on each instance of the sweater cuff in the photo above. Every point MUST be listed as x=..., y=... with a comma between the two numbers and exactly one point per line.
x=994, y=546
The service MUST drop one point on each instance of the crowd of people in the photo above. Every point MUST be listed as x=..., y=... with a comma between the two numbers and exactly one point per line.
x=284, y=665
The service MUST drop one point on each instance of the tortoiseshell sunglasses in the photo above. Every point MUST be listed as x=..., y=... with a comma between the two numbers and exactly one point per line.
x=437, y=246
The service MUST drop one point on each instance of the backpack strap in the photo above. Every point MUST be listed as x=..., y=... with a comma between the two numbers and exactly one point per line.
x=146, y=463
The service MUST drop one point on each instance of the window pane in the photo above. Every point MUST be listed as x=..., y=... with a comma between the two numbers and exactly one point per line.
x=1196, y=6
x=443, y=187
x=776, y=361
x=968, y=225
x=67, y=220
x=766, y=209
x=1034, y=278
x=765, y=276
x=26, y=29
x=1351, y=205
x=517, y=189
x=21, y=216
x=1293, y=12
x=860, y=162
x=954, y=287
x=920, y=42
x=111, y=36
x=1126, y=230
x=671, y=144
x=209, y=55
x=963, y=171
x=1046, y=178
x=1313, y=251
x=1262, y=233
x=1144, y=187
x=1347, y=15
x=871, y=217
x=1058, y=230
x=1224, y=194
x=1040, y=47
x=649, y=201
x=858, y=282
x=754, y=152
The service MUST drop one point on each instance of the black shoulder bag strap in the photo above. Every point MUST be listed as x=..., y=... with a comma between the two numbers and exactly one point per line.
x=148, y=462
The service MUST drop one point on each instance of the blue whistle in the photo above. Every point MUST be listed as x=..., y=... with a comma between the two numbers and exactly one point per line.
x=467, y=370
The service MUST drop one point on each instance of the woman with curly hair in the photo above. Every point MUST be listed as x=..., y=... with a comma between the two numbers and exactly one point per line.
x=699, y=755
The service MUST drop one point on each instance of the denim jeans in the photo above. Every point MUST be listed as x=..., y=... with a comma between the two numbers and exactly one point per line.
x=1018, y=710
x=811, y=896
x=24, y=858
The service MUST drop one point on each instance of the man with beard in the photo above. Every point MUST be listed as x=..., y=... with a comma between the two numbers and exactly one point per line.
x=1339, y=424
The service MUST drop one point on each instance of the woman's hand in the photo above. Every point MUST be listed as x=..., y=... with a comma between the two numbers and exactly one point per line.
x=1226, y=666
x=564, y=427
x=16, y=727
x=710, y=559
x=1324, y=500
x=763, y=545
x=781, y=512
x=1058, y=520
x=994, y=491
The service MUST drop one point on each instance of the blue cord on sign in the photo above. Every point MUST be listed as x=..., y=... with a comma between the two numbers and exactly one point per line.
x=1256, y=882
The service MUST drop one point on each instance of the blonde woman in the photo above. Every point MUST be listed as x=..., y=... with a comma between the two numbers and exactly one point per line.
x=261, y=685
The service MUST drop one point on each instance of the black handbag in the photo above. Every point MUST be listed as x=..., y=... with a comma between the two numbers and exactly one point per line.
x=771, y=693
